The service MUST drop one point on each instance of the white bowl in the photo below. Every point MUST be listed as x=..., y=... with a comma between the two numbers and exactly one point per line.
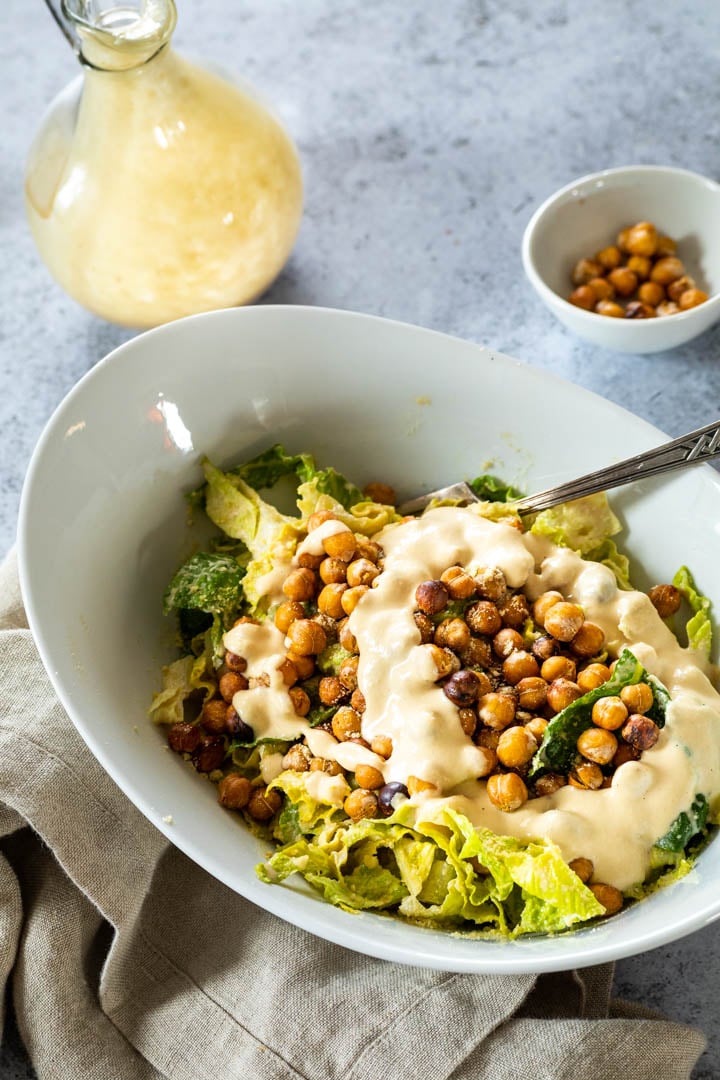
x=103, y=527
x=587, y=215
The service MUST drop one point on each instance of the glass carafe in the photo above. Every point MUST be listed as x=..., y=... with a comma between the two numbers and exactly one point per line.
x=156, y=189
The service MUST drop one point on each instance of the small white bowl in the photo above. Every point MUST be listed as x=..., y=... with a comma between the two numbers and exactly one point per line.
x=587, y=215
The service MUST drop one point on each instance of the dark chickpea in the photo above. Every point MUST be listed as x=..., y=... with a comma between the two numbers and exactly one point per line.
x=607, y=895
x=297, y=758
x=347, y=672
x=598, y=745
x=184, y=738
x=520, y=665
x=212, y=716
x=516, y=746
x=692, y=298
x=667, y=270
x=462, y=688
x=666, y=600
x=458, y=583
x=264, y=804
x=558, y=667
x=640, y=732
x=286, y=614
x=507, y=791
x=300, y=584
x=592, y=676
x=532, y=692
x=640, y=266
x=543, y=604
x=544, y=647
x=586, y=776
x=497, y=711
x=468, y=721
x=490, y=582
x=235, y=662
x=623, y=281
x=651, y=293
x=507, y=641
x=209, y=754
x=300, y=700
x=625, y=753
x=514, y=610
x=488, y=738
x=346, y=724
x=431, y=597
x=477, y=654
x=609, y=257
x=234, y=791
x=426, y=627
x=332, y=571
x=330, y=600
x=452, y=634
x=583, y=868
x=346, y=637
x=585, y=270
x=380, y=493
x=549, y=784
x=331, y=691
x=564, y=620
x=642, y=239
x=230, y=683
x=340, y=545
x=306, y=637
x=304, y=665
x=637, y=698
x=609, y=309
x=638, y=310
x=445, y=661
x=352, y=597
x=483, y=617
x=361, y=572
x=361, y=804
x=357, y=701
x=561, y=693
x=588, y=641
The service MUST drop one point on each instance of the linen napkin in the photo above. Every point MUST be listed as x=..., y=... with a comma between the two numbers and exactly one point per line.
x=129, y=962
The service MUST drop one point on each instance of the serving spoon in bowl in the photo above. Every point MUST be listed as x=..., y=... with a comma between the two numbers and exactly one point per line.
x=700, y=445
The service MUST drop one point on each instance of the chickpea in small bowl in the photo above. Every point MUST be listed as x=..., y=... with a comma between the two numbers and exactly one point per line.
x=612, y=254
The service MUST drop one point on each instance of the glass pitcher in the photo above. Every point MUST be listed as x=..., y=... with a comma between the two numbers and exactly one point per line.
x=154, y=188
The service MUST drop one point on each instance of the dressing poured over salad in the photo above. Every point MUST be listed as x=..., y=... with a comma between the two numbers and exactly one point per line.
x=461, y=718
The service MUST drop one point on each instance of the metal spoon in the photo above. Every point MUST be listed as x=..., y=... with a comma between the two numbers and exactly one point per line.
x=696, y=446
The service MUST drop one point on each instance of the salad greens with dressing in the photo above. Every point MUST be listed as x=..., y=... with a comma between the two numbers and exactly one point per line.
x=443, y=871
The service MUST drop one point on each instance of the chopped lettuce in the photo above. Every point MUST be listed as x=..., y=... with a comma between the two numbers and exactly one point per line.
x=271, y=465
x=206, y=582
x=331, y=658
x=686, y=826
x=182, y=678
x=365, y=516
x=582, y=525
x=491, y=489
x=301, y=814
x=699, y=627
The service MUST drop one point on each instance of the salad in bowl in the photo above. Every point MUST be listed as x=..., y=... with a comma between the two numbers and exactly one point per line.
x=465, y=719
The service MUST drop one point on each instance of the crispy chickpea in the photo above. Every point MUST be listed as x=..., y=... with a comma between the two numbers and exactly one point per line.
x=340, y=545
x=537, y=727
x=213, y=715
x=300, y=700
x=445, y=661
x=489, y=762
x=543, y=604
x=640, y=732
x=667, y=270
x=347, y=672
x=230, y=683
x=297, y=758
x=625, y=753
x=332, y=571
x=367, y=548
x=331, y=691
x=642, y=239
x=483, y=617
x=607, y=895
x=602, y=288
x=665, y=246
x=558, y=667
x=357, y=701
x=308, y=561
x=286, y=614
x=462, y=688
x=583, y=297
x=544, y=647
x=598, y=745
x=588, y=641
x=637, y=698
x=516, y=746
x=330, y=600
x=610, y=309
x=477, y=654
x=382, y=746
x=264, y=804
x=609, y=257
x=346, y=637
x=514, y=610
x=234, y=791
x=507, y=641
x=507, y=791
x=453, y=634
x=586, y=776
x=458, y=583
x=235, y=662
x=346, y=723
x=564, y=620
x=497, y=711
x=319, y=518
x=676, y=288
x=622, y=239
x=623, y=281
x=532, y=692
x=583, y=868
x=352, y=597
x=304, y=665
x=609, y=713
x=666, y=600
x=692, y=298
x=561, y=693
x=416, y=785
x=468, y=721
x=380, y=493
x=637, y=310
x=490, y=582
x=640, y=266
x=306, y=637
x=549, y=784
x=487, y=738
x=520, y=665
x=361, y=572
x=367, y=776
x=668, y=307
x=300, y=584
x=184, y=738
x=651, y=293
x=585, y=270
x=426, y=627
x=327, y=766
x=431, y=597
x=592, y=676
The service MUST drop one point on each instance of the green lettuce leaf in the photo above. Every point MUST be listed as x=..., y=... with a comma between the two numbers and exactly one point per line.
x=365, y=516
x=582, y=525
x=607, y=553
x=180, y=679
x=492, y=489
x=686, y=826
x=558, y=749
x=699, y=627
x=206, y=582
x=266, y=468
x=301, y=814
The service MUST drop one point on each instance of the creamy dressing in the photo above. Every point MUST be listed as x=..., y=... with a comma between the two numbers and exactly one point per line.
x=313, y=542
x=614, y=827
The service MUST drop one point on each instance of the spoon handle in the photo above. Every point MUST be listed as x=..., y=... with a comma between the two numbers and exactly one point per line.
x=696, y=446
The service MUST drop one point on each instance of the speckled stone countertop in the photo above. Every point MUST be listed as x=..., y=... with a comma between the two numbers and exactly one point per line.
x=429, y=132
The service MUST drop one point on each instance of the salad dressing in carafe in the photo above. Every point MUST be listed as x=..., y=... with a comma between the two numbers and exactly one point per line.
x=156, y=189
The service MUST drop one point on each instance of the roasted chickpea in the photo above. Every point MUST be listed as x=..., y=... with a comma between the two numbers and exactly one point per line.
x=637, y=698
x=416, y=785
x=346, y=637
x=458, y=583
x=213, y=715
x=348, y=672
x=607, y=895
x=638, y=310
x=340, y=545
x=357, y=701
x=209, y=754
x=583, y=868
x=297, y=758
x=549, y=784
x=667, y=270
x=426, y=627
x=308, y=561
x=380, y=493
x=306, y=637
x=676, y=288
x=585, y=270
x=507, y=641
x=532, y=692
x=609, y=713
x=544, y=647
x=453, y=634
x=651, y=293
x=622, y=239
x=462, y=688
x=286, y=614
x=598, y=745
x=489, y=761
x=346, y=724
x=483, y=617
x=496, y=710
x=602, y=288
x=609, y=257
x=264, y=803
x=507, y=791
x=331, y=691
x=234, y=791
x=361, y=572
x=304, y=665
x=367, y=776
x=564, y=620
x=352, y=597
x=588, y=641
x=476, y=654
x=230, y=683
x=692, y=298
x=327, y=766
x=587, y=776
x=300, y=700
x=488, y=738
x=625, y=753
x=543, y=604
x=592, y=676
x=319, y=518
x=490, y=581
x=382, y=746
x=537, y=727
x=666, y=600
x=431, y=597
x=332, y=571
x=665, y=246
x=640, y=266
x=514, y=610
x=642, y=239
x=235, y=662
x=516, y=746
x=367, y=548
x=558, y=667
x=610, y=309
x=330, y=600
x=300, y=584
x=668, y=307
x=184, y=738
x=561, y=693
x=640, y=732
x=468, y=721
x=624, y=281
x=445, y=661
x=520, y=665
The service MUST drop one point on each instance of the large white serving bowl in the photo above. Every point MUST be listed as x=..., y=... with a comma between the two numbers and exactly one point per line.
x=103, y=527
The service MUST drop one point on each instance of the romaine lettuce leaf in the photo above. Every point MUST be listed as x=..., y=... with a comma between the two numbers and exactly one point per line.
x=301, y=814
x=583, y=524
x=206, y=582
x=180, y=679
x=365, y=516
x=607, y=553
x=686, y=826
x=491, y=489
x=266, y=468
x=699, y=627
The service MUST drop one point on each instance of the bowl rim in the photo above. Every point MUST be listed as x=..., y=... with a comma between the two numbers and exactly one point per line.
x=590, y=318
x=518, y=957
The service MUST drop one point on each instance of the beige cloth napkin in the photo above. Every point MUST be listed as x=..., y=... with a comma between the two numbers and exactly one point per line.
x=128, y=962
